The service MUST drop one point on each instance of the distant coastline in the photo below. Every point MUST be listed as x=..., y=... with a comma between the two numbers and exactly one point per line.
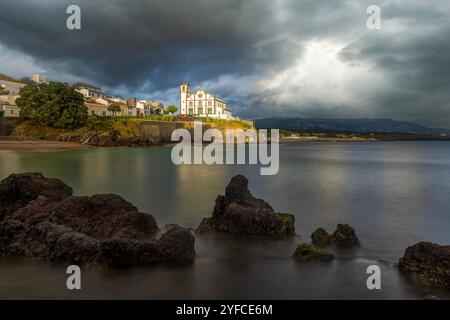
x=361, y=137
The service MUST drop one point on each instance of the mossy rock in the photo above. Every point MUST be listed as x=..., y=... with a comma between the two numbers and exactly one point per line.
x=287, y=224
x=427, y=264
x=321, y=237
x=345, y=236
x=308, y=252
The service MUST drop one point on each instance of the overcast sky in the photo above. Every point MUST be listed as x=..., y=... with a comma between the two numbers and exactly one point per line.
x=265, y=58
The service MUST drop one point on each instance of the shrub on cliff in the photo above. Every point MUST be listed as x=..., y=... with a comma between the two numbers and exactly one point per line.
x=114, y=108
x=172, y=109
x=55, y=105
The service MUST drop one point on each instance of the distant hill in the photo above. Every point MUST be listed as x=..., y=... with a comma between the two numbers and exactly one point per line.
x=8, y=78
x=355, y=125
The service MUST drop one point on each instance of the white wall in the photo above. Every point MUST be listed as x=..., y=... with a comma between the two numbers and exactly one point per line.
x=12, y=87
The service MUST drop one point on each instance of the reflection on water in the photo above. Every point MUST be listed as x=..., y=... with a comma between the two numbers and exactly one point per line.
x=394, y=194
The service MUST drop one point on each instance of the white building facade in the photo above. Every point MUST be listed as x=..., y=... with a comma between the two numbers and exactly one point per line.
x=148, y=108
x=11, y=86
x=202, y=104
x=91, y=92
x=38, y=78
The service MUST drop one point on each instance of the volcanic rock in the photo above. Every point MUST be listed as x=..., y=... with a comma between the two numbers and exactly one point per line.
x=239, y=213
x=308, y=252
x=321, y=237
x=17, y=190
x=427, y=264
x=345, y=236
x=100, y=216
x=42, y=220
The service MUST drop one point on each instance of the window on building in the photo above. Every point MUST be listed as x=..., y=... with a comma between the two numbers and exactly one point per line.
x=200, y=110
x=191, y=111
x=210, y=110
x=93, y=112
x=199, y=103
x=12, y=111
x=210, y=103
x=190, y=104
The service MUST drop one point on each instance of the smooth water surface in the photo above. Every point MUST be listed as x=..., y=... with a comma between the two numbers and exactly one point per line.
x=394, y=194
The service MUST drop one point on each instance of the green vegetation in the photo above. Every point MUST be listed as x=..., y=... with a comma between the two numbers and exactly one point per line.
x=122, y=127
x=224, y=124
x=301, y=130
x=172, y=109
x=114, y=108
x=94, y=126
x=309, y=252
x=55, y=105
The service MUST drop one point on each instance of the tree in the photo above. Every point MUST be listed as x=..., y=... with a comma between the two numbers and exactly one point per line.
x=54, y=105
x=114, y=108
x=301, y=130
x=172, y=109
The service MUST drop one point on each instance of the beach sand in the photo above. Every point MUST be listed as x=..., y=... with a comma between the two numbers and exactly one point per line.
x=40, y=146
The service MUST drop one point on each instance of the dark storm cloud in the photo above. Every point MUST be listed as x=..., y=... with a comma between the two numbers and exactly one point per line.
x=253, y=53
x=128, y=42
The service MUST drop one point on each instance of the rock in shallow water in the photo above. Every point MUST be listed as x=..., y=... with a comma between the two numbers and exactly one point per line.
x=103, y=229
x=427, y=264
x=18, y=190
x=344, y=236
x=100, y=216
x=238, y=212
x=308, y=252
x=321, y=237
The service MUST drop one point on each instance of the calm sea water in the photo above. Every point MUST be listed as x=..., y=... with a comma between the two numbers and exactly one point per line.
x=393, y=193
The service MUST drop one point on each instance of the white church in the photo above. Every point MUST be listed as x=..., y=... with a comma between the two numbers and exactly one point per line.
x=202, y=104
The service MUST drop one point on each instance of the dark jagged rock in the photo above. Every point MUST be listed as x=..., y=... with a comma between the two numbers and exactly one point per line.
x=100, y=216
x=308, y=252
x=345, y=236
x=238, y=212
x=321, y=237
x=17, y=190
x=47, y=241
x=102, y=230
x=176, y=245
x=427, y=264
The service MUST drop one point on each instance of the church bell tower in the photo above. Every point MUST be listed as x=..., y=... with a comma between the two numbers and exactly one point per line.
x=185, y=92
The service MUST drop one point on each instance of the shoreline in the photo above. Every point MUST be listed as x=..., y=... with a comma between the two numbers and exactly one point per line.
x=320, y=139
x=40, y=146
x=37, y=145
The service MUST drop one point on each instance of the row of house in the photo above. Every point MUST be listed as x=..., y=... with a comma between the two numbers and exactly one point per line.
x=97, y=102
x=199, y=103
x=9, y=92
